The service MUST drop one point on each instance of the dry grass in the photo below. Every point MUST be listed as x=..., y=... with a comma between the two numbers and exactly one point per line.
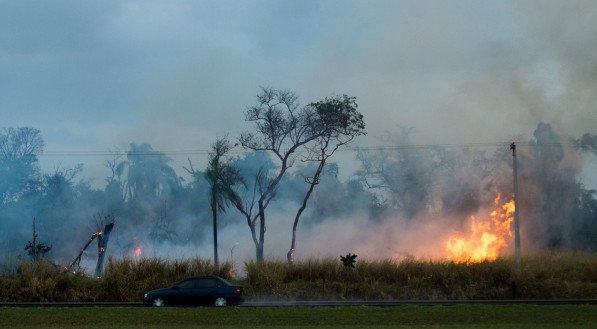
x=558, y=275
x=124, y=280
x=549, y=275
x=127, y=280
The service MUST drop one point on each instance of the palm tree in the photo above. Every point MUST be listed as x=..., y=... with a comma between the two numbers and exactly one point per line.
x=149, y=174
x=222, y=176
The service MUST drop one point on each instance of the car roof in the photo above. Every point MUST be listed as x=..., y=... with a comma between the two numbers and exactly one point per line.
x=203, y=277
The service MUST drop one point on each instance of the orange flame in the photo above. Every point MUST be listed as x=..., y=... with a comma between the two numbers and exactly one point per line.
x=137, y=250
x=487, y=237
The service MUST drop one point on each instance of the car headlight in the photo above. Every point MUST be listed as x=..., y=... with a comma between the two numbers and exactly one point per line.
x=145, y=296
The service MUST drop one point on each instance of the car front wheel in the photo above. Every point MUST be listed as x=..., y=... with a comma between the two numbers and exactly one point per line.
x=220, y=302
x=158, y=302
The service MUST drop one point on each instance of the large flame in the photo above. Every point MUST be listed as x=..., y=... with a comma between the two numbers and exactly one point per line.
x=487, y=237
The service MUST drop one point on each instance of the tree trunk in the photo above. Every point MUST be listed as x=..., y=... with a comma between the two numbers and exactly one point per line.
x=260, y=245
x=315, y=181
x=102, y=244
x=214, y=211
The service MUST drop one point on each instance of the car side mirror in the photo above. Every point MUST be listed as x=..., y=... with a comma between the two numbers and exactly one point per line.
x=176, y=288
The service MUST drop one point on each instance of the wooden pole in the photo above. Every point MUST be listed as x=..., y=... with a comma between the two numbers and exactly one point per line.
x=516, y=209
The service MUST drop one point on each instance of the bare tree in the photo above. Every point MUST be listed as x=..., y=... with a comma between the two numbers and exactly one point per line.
x=248, y=204
x=283, y=128
x=19, y=149
x=19, y=143
x=403, y=176
x=337, y=122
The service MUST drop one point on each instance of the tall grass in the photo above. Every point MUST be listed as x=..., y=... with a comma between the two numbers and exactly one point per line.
x=126, y=280
x=558, y=275
x=549, y=275
x=42, y=281
x=385, y=280
x=123, y=280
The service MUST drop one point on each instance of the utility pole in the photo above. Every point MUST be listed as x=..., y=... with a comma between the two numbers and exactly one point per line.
x=516, y=211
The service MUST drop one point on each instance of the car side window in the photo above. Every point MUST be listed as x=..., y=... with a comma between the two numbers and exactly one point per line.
x=188, y=284
x=206, y=283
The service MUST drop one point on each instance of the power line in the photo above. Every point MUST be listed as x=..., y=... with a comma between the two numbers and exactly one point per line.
x=107, y=153
x=348, y=149
x=463, y=145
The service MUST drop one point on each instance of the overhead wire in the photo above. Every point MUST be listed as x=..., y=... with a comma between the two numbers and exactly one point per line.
x=189, y=152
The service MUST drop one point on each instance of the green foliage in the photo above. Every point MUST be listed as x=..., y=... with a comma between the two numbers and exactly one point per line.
x=338, y=115
x=460, y=316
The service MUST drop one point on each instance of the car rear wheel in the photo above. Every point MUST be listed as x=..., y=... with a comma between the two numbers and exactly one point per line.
x=158, y=302
x=220, y=302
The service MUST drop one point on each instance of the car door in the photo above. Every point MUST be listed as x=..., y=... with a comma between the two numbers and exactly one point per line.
x=205, y=290
x=184, y=293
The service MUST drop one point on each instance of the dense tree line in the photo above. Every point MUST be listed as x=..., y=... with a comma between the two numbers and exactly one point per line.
x=153, y=204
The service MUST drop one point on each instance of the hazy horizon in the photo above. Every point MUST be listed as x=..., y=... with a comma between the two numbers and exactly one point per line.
x=95, y=76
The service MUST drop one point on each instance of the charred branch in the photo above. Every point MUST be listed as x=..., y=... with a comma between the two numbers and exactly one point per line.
x=102, y=237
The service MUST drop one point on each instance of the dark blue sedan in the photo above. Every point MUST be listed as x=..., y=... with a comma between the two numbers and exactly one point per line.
x=200, y=290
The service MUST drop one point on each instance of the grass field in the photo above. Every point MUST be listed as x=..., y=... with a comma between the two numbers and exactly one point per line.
x=460, y=316
x=543, y=276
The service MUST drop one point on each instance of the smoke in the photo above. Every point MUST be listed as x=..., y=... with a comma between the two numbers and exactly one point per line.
x=175, y=76
x=404, y=202
x=172, y=74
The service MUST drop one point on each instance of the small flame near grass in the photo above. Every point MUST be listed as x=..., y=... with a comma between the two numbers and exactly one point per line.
x=137, y=250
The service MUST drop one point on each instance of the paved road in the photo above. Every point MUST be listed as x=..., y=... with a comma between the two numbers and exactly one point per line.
x=334, y=303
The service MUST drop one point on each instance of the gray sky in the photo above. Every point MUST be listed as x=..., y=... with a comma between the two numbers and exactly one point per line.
x=97, y=75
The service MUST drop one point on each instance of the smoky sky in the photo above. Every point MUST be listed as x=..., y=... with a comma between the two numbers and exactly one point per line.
x=97, y=75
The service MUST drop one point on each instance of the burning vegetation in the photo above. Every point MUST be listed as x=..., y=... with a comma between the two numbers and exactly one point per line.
x=137, y=249
x=487, y=237
x=102, y=237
